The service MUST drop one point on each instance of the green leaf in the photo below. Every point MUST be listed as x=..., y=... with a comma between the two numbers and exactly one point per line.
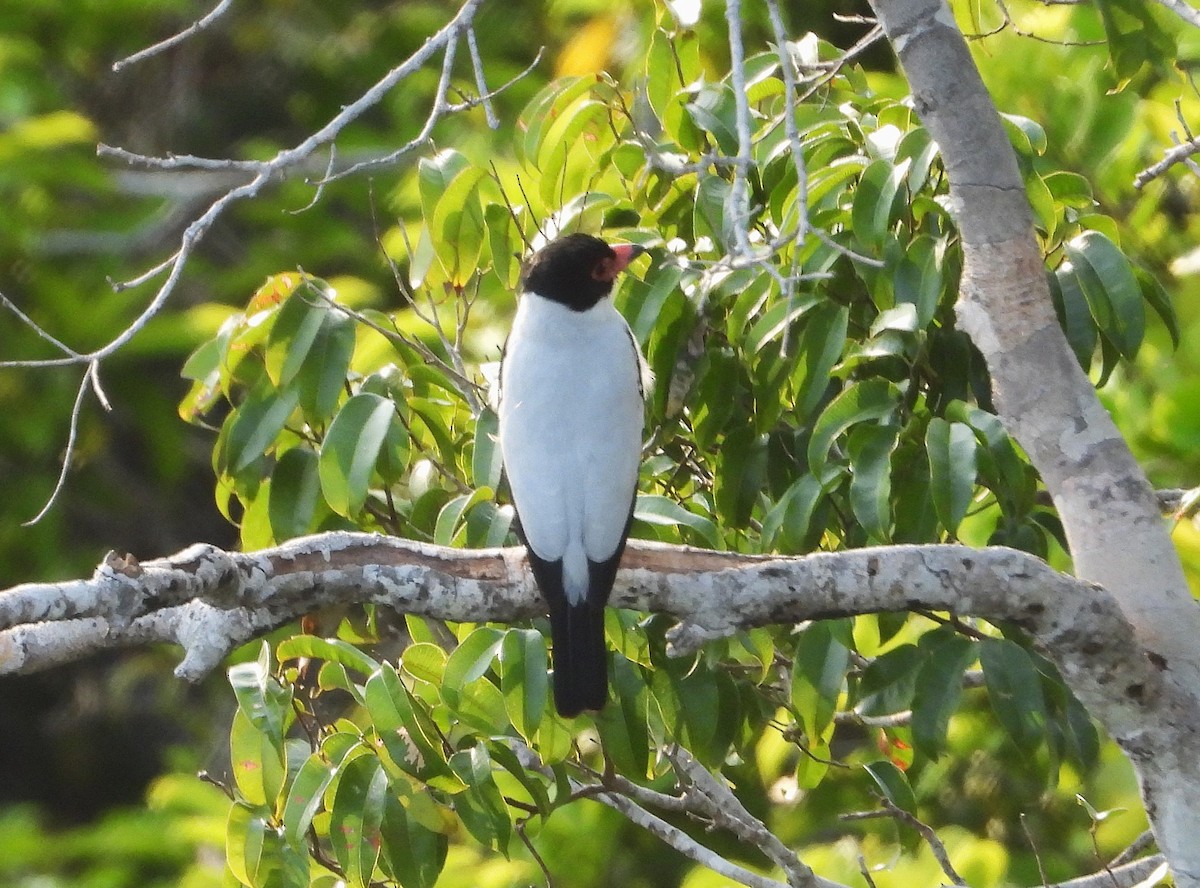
x=860, y=402
x=939, y=688
x=1027, y=136
x=918, y=277
x=256, y=761
x=457, y=227
x=305, y=797
x=255, y=424
x=425, y=661
x=1015, y=692
x=332, y=649
x=1108, y=280
x=741, y=474
x=362, y=429
x=265, y=702
x=1159, y=299
x=294, y=495
x=711, y=209
x=412, y=853
x=469, y=661
x=504, y=245
x=655, y=509
x=524, y=679
x=481, y=808
x=1134, y=37
x=888, y=682
x=245, y=833
x=714, y=111
x=874, y=201
x=398, y=716
x=450, y=518
x=870, y=449
x=952, y=465
x=773, y=322
x=434, y=175
x=1074, y=314
x=819, y=349
x=486, y=459
x=818, y=674
x=356, y=818
x=893, y=783
x=787, y=522
x=623, y=729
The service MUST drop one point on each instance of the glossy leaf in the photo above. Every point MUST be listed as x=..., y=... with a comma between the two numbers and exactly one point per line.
x=1111, y=289
x=255, y=425
x=305, y=797
x=364, y=426
x=333, y=649
x=524, y=679
x=894, y=785
x=874, y=199
x=295, y=494
x=1015, y=692
x=481, y=807
x=819, y=673
x=860, y=402
x=356, y=818
x=870, y=449
x=412, y=853
x=952, y=464
x=939, y=688
x=470, y=660
x=263, y=700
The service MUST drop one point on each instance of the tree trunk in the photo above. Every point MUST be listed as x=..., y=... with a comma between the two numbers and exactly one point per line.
x=1116, y=535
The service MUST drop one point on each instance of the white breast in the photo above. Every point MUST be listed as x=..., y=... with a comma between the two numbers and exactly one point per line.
x=571, y=430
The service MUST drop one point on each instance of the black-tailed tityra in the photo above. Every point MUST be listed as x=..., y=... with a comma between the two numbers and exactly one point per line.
x=571, y=390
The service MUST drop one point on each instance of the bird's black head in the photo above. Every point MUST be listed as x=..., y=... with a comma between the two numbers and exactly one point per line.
x=576, y=270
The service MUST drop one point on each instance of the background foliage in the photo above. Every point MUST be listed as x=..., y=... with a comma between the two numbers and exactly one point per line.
x=752, y=449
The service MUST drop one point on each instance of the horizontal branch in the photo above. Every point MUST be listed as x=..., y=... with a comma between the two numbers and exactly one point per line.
x=210, y=601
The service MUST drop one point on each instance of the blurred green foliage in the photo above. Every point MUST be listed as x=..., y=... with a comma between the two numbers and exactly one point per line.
x=350, y=390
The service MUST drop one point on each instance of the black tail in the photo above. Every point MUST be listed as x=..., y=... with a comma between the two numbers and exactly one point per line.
x=577, y=630
x=580, y=658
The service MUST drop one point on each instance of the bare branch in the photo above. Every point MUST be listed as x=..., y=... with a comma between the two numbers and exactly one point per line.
x=199, y=25
x=87, y=382
x=890, y=809
x=740, y=196
x=1186, y=12
x=1179, y=154
x=484, y=96
x=718, y=801
x=1139, y=873
x=686, y=845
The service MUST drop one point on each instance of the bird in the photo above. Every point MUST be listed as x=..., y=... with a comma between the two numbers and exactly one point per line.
x=571, y=414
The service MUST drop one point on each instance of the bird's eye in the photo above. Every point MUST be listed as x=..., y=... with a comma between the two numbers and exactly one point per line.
x=603, y=270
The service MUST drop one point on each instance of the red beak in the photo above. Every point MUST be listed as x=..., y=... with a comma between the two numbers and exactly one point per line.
x=626, y=253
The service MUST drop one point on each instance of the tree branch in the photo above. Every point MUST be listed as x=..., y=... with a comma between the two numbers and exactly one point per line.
x=199, y=25
x=209, y=601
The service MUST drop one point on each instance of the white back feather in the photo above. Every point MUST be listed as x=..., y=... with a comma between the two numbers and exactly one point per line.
x=571, y=420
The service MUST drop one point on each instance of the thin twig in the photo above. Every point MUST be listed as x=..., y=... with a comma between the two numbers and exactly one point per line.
x=36, y=328
x=489, y=112
x=890, y=809
x=199, y=25
x=72, y=433
x=259, y=174
x=739, y=196
x=1136, y=847
x=1183, y=10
